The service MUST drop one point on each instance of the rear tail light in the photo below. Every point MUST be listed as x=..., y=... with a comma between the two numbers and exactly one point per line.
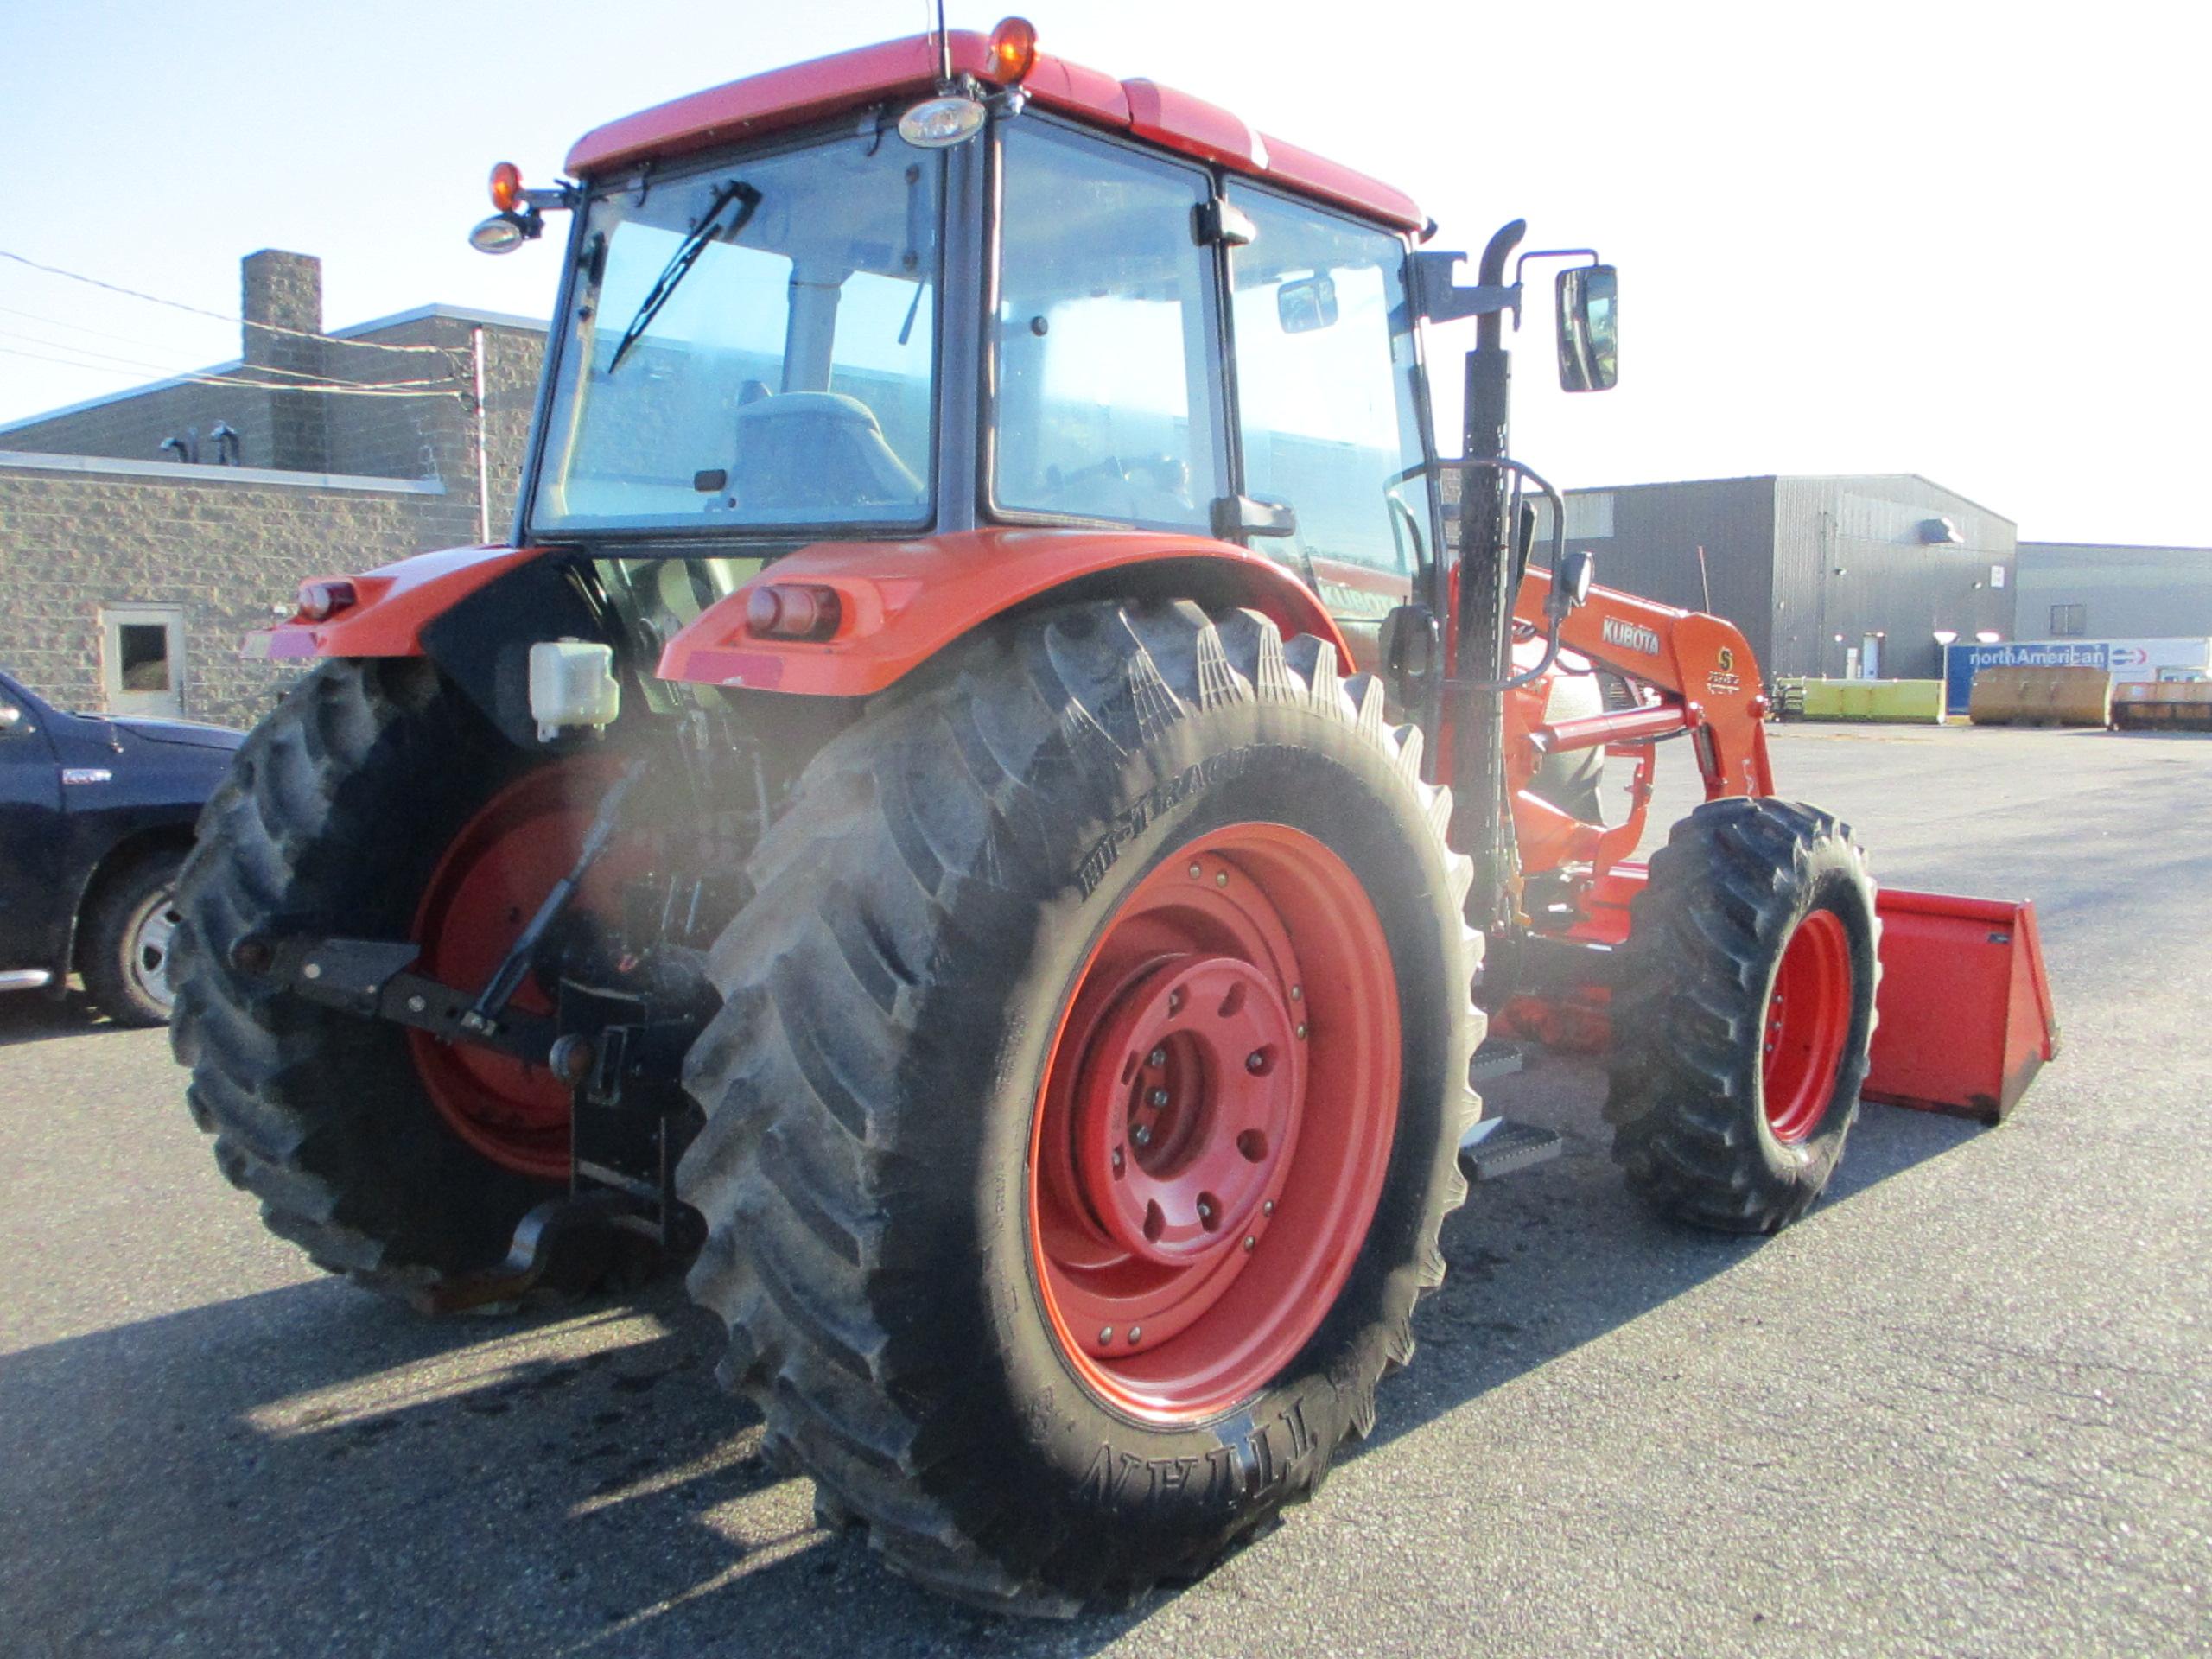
x=321, y=600
x=789, y=611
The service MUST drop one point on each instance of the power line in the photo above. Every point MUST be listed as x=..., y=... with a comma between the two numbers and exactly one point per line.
x=202, y=311
x=300, y=376
x=395, y=388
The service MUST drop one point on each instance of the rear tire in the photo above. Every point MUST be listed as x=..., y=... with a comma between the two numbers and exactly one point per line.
x=1730, y=1102
x=334, y=815
x=877, y=1097
x=128, y=940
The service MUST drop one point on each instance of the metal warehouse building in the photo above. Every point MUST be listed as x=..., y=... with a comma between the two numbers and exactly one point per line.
x=1847, y=577
x=2084, y=590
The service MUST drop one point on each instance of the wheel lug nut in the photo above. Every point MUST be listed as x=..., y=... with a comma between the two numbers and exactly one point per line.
x=1206, y=1210
x=1255, y=1061
x=1106, y=1335
x=1175, y=1003
x=1196, y=872
x=1118, y=1160
x=1156, y=1099
x=1251, y=1243
x=1136, y=1335
x=1142, y=1136
x=1157, y=1057
x=1222, y=881
x=1298, y=993
x=1269, y=1207
x=1301, y=1031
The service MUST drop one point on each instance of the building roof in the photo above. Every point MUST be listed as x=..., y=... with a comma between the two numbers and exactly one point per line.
x=1762, y=478
x=352, y=331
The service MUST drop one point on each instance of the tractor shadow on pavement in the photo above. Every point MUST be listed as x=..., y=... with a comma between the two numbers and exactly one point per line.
x=34, y=1017
x=312, y=1470
x=1546, y=1260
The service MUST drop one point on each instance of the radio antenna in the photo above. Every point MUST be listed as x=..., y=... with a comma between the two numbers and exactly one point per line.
x=943, y=47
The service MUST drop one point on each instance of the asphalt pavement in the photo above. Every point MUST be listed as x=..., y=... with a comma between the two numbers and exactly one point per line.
x=1965, y=1408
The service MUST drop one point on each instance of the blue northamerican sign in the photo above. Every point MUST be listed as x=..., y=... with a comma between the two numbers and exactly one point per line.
x=1962, y=663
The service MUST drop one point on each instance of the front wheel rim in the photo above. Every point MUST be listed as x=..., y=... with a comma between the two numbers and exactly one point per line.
x=1210, y=1145
x=148, y=948
x=1807, y=1022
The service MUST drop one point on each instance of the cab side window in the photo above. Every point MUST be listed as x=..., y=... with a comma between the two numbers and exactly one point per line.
x=1106, y=374
x=1327, y=417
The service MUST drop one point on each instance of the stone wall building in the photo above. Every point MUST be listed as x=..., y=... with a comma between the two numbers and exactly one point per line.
x=142, y=533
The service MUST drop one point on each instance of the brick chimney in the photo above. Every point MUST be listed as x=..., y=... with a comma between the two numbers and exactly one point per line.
x=282, y=307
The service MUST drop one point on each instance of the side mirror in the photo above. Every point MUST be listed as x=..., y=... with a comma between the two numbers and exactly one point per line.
x=1306, y=304
x=1589, y=328
x=1570, y=584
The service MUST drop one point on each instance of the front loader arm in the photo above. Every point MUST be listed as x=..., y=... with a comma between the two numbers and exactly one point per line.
x=1701, y=665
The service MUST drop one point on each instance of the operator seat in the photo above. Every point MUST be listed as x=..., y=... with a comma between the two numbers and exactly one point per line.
x=815, y=454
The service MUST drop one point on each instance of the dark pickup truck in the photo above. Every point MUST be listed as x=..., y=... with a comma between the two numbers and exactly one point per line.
x=96, y=814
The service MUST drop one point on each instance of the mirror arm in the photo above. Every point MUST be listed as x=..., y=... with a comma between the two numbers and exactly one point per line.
x=1437, y=298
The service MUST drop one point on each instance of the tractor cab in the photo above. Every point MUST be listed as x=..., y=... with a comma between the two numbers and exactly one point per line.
x=797, y=310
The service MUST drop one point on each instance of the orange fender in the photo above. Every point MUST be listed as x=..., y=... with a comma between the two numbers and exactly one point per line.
x=902, y=602
x=392, y=607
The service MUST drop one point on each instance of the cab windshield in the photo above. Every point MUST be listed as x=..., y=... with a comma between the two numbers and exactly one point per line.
x=751, y=344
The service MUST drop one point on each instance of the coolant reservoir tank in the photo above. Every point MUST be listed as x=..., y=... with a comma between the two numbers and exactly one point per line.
x=572, y=683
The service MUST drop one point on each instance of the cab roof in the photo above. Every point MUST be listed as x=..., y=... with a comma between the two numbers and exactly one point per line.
x=1144, y=108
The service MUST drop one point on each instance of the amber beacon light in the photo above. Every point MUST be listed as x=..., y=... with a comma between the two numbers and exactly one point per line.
x=506, y=186
x=1013, y=49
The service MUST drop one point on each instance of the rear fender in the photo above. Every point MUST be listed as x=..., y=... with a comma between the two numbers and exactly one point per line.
x=473, y=611
x=903, y=602
x=392, y=606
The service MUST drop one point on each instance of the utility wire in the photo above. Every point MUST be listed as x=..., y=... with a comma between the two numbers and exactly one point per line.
x=201, y=311
x=299, y=376
x=397, y=388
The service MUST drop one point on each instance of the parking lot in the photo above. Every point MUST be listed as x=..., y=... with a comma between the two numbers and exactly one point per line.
x=1965, y=1408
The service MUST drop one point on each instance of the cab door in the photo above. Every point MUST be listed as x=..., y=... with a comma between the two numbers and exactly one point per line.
x=1327, y=381
x=34, y=910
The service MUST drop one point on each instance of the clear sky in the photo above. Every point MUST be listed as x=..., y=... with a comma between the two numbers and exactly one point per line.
x=1962, y=240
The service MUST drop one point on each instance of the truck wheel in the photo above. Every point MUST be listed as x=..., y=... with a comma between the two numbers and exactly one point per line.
x=1745, y=1011
x=374, y=803
x=1085, y=1100
x=127, y=937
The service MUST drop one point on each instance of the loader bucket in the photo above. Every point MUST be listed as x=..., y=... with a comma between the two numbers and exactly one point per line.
x=1964, y=1013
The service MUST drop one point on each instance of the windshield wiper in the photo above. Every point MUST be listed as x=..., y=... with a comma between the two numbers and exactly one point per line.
x=680, y=263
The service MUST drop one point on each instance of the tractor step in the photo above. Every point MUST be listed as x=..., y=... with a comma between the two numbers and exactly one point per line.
x=1498, y=1146
x=1496, y=1059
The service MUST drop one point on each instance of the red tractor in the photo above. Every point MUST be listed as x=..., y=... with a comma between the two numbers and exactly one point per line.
x=972, y=809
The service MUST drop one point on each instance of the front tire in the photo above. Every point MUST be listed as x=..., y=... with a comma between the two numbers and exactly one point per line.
x=127, y=939
x=978, y=911
x=1743, y=1021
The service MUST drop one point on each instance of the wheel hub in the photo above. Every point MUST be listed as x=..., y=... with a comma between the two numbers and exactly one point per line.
x=1185, y=1104
x=1808, y=1021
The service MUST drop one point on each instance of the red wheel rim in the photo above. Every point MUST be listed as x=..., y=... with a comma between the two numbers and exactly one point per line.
x=1216, y=1123
x=493, y=876
x=1808, y=1021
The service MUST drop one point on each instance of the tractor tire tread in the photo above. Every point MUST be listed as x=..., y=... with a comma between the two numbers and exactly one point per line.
x=802, y=1156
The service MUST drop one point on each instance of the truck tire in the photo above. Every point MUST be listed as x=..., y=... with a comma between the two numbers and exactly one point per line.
x=1095, y=873
x=125, y=951
x=373, y=803
x=1744, y=1014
